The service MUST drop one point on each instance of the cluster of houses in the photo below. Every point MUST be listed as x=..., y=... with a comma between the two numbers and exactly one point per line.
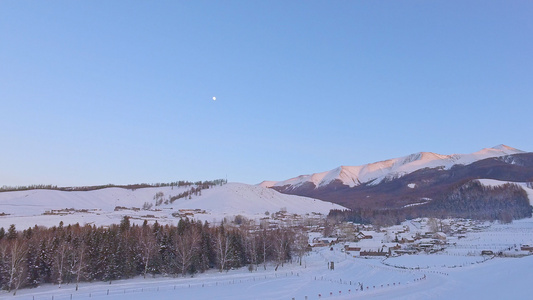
x=359, y=240
x=69, y=211
x=367, y=241
x=429, y=243
x=424, y=236
x=188, y=213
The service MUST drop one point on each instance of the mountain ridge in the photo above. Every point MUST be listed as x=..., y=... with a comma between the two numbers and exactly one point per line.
x=425, y=184
x=377, y=172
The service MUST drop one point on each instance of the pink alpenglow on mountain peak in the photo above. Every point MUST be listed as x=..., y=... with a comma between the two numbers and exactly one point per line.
x=374, y=173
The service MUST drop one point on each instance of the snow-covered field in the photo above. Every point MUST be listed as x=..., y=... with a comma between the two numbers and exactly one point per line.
x=498, y=278
x=458, y=272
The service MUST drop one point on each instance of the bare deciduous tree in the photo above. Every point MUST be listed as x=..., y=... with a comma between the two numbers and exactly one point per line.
x=148, y=245
x=222, y=249
x=16, y=254
x=186, y=246
x=77, y=266
x=301, y=243
x=60, y=261
x=282, y=238
x=264, y=240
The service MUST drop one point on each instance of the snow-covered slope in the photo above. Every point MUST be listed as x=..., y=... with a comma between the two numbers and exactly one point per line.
x=28, y=208
x=376, y=172
x=39, y=201
x=238, y=198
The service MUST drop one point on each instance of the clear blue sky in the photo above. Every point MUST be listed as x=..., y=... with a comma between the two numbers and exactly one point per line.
x=97, y=92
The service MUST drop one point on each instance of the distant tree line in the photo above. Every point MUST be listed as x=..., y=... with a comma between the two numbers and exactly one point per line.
x=6, y=188
x=180, y=183
x=470, y=200
x=72, y=254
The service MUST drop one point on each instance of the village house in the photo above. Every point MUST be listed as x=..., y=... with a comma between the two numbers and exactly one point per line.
x=526, y=248
x=322, y=242
x=405, y=251
x=425, y=247
x=364, y=235
x=393, y=249
x=440, y=237
x=406, y=240
x=428, y=235
x=352, y=249
x=374, y=249
x=373, y=253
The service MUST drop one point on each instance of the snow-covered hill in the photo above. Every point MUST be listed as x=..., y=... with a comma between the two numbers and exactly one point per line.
x=374, y=173
x=49, y=207
x=238, y=198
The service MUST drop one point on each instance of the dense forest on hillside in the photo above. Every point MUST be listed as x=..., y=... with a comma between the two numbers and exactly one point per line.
x=470, y=200
x=476, y=201
x=71, y=254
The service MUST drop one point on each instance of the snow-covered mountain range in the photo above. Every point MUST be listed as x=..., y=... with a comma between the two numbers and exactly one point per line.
x=394, y=183
x=420, y=181
x=375, y=173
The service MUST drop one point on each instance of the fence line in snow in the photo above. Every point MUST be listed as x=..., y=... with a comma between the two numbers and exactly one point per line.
x=80, y=294
x=359, y=287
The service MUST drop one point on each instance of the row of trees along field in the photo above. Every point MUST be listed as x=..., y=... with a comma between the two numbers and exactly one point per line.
x=181, y=183
x=71, y=254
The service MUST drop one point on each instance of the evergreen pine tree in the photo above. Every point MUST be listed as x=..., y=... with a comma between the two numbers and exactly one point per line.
x=32, y=259
x=44, y=263
x=11, y=232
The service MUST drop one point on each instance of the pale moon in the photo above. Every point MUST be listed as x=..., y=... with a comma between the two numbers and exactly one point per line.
x=214, y=98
